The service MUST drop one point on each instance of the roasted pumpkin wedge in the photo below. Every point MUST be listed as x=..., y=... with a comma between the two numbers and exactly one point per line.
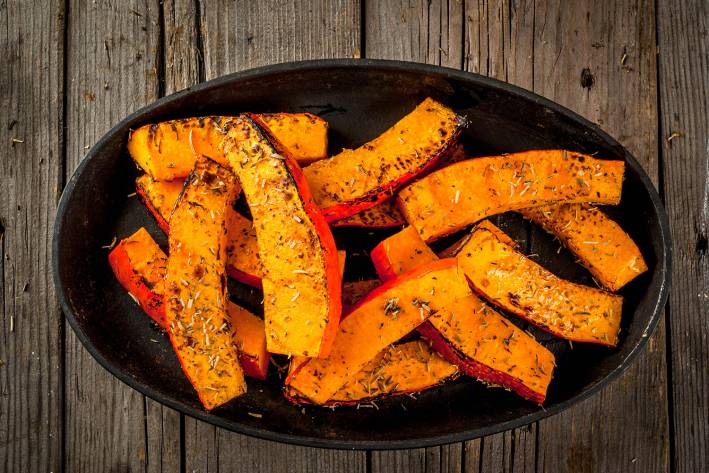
x=301, y=280
x=451, y=198
x=486, y=346
x=167, y=150
x=517, y=284
x=398, y=369
x=195, y=285
x=243, y=263
x=399, y=253
x=383, y=215
x=359, y=179
x=599, y=243
x=380, y=319
x=454, y=249
x=471, y=334
x=140, y=266
x=303, y=134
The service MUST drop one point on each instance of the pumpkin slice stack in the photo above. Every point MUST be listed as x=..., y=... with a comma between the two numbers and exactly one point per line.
x=140, y=266
x=469, y=333
x=429, y=318
x=168, y=150
x=383, y=317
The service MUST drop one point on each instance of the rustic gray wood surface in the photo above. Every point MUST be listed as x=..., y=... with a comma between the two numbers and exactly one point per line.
x=73, y=68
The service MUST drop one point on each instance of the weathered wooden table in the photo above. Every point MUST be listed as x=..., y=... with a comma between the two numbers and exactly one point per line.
x=73, y=68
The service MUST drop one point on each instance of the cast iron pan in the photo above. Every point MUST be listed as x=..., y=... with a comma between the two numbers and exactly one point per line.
x=360, y=99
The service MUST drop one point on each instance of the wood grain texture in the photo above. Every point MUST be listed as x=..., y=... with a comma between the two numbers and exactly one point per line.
x=430, y=32
x=162, y=438
x=212, y=449
x=419, y=31
x=245, y=34
x=31, y=362
x=579, y=62
x=684, y=102
x=183, y=61
x=447, y=458
x=112, y=67
x=239, y=36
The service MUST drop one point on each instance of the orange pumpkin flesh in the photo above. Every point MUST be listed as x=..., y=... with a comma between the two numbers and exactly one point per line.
x=301, y=280
x=600, y=244
x=355, y=180
x=249, y=336
x=304, y=135
x=168, y=150
x=481, y=342
x=140, y=266
x=399, y=253
x=458, y=195
x=195, y=285
x=517, y=284
x=159, y=197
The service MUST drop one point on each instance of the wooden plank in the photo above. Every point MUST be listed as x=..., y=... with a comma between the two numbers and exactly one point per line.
x=430, y=32
x=510, y=451
x=431, y=460
x=248, y=34
x=684, y=99
x=183, y=62
x=31, y=362
x=236, y=37
x=420, y=31
x=162, y=438
x=579, y=62
x=112, y=63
